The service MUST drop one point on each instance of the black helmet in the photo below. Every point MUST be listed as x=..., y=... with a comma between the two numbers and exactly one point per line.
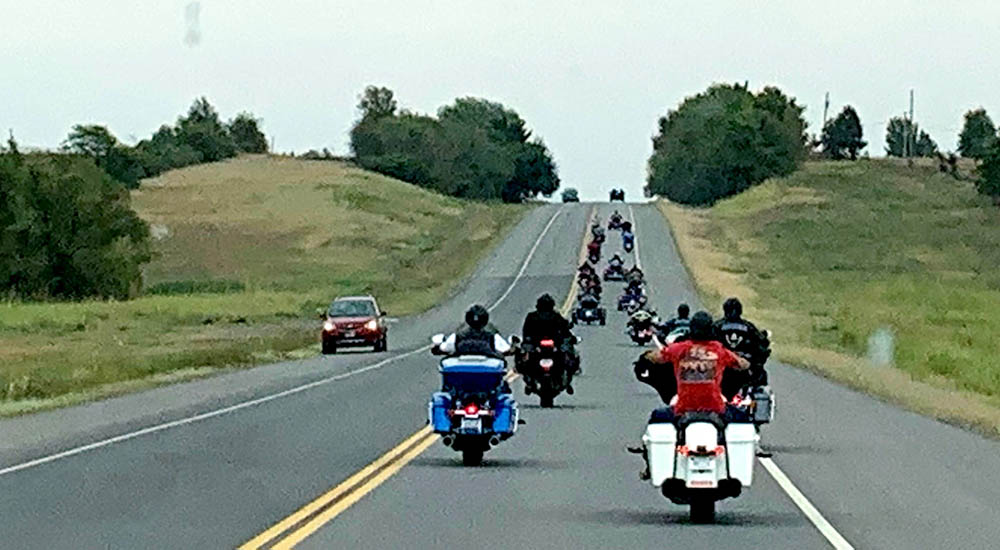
x=732, y=309
x=701, y=326
x=545, y=303
x=683, y=311
x=477, y=316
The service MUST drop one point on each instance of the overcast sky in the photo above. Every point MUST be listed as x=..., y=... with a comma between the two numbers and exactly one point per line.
x=591, y=78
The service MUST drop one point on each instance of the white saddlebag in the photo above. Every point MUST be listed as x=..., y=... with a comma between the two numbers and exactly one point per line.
x=741, y=442
x=661, y=445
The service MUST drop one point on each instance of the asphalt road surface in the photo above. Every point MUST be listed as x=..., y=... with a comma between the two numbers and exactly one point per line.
x=237, y=459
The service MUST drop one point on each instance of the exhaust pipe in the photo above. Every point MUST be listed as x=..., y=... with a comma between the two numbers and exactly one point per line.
x=494, y=440
x=448, y=440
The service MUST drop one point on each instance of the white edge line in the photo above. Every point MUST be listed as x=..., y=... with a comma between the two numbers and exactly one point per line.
x=832, y=536
x=261, y=400
x=635, y=240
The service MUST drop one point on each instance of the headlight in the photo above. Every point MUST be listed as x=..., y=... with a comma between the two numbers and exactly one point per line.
x=329, y=326
x=372, y=325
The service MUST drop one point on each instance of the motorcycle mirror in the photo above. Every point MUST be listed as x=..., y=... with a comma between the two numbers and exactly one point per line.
x=767, y=334
x=437, y=339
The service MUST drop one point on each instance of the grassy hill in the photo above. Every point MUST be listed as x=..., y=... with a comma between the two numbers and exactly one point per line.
x=246, y=250
x=833, y=253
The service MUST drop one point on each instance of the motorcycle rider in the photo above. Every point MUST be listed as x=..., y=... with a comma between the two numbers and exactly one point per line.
x=634, y=274
x=680, y=322
x=546, y=323
x=746, y=340
x=616, y=261
x=477, y=337
x=597, y=231
x=697, y=365
x=615, y=220
x=641, y=320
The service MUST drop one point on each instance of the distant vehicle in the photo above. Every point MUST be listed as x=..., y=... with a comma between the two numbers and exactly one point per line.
x=354, y=321
x=570, y=195
x=617, y=195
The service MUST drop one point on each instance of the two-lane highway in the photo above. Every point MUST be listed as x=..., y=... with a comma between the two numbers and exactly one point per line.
x=219, y=462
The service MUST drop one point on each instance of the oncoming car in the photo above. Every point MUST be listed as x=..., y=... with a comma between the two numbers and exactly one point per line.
x=570, y=195
x=354, y=321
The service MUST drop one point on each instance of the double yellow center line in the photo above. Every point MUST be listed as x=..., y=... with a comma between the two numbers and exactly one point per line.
x=313, y=516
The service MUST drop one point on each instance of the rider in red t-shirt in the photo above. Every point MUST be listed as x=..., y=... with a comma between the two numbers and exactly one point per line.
x=698, y=364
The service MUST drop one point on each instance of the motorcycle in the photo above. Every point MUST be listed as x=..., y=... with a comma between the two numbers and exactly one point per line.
x=614, y=272
x=630, y=302
x=544, y=371
x=628, y=241
x=474, y=412
x=641, y=336
x=588, y=311
x=698, y=460
x=615, y=222
x=594, y=254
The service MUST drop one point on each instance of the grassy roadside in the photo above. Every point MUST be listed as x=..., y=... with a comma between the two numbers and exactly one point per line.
x=827, y=256
x=247, y=249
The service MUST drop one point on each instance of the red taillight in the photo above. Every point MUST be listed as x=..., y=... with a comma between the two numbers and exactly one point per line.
x=471, y=409
x=547, y=343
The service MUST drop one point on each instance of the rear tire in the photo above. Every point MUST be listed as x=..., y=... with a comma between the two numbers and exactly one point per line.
x=703, y=511
x=546, y=401
x=472, y=457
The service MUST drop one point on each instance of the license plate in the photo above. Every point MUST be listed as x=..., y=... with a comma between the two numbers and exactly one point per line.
x=546, y=363
x=472, y=424
x=349, y=334
x=700, y=463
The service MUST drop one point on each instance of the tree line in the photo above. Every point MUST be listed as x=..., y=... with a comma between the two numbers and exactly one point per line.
x=474, y=148
x=67, y=227
x=722, y=141
x=200, y=136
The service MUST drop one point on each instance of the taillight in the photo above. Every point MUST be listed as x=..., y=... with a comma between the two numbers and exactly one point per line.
x=547, y=343
x=471, y=409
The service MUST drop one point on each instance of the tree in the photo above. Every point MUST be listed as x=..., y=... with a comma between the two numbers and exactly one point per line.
x=376, y=102
x=904, y=137
x=246, y=134
x=67, y=229
x=978, y=135
x=723, y=141
x=90, y=140
x=202, y=130
x=989, y=173
x=842, y=135
x=475, y=149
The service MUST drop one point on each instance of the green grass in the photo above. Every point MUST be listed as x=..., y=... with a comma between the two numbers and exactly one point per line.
x=837, y=250
x=249, y=249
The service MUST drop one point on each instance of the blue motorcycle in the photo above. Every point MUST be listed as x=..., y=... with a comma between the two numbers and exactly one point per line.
x=474, y=411
x=628, y=241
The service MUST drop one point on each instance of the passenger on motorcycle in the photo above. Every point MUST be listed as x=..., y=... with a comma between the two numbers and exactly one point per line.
x=616, y=261
x=545, y=323
x=642, y=319
x=591, y=285
x=743, y=338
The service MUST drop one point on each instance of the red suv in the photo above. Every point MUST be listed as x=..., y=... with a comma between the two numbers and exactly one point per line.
x=354, y=321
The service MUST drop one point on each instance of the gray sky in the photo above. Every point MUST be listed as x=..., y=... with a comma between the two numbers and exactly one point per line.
x=591, y=78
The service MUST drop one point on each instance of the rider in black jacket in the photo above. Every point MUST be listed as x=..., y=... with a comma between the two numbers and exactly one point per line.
x=747, y=341
x=546, y=323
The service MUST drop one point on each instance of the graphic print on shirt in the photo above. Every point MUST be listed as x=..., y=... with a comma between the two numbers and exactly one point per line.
x=733, y=340
x=698, y=365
